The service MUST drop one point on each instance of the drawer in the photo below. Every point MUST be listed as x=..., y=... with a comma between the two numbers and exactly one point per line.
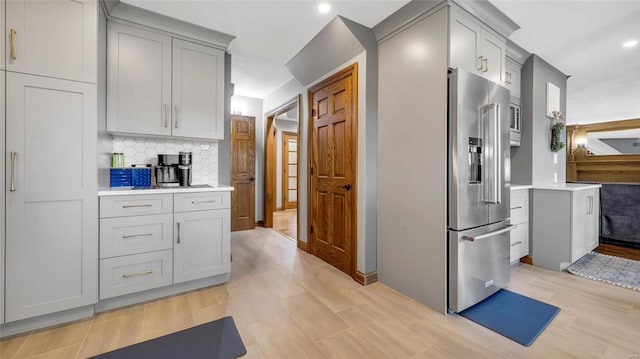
x=135, y=273
x=137, y=234
x=519, y=242
x=201, y=201
x=519, y=206
x=121, y=206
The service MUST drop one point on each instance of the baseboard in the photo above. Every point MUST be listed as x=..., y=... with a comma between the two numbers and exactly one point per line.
x=528, y=260
x=47, y=320
x=260, y=223
x=303, y=245
x=365, y=279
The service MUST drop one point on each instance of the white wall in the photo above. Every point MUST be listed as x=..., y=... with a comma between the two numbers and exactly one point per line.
x=251, y=106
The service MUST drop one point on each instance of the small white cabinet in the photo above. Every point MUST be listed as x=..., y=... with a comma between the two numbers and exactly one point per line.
x=565, y=225
x=52, y=38
x=512, y=78
x=520, y=219
x=475, y=48
x=163, y=86
x=51, y=203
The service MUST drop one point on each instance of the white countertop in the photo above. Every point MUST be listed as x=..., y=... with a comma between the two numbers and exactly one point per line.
x=515, y=187
x=568, y=186
x=121, y=191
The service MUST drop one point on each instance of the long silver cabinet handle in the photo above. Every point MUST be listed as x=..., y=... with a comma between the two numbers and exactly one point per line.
x=197, y=202
x=177, y=118
x=13, y=174
x=515, y=244
x=137, y=235
x=128, y=275
x=136, y=205
x=485, y=61
x=519, y=207
x=490, y=234
x=178, y=239
x=166, y=116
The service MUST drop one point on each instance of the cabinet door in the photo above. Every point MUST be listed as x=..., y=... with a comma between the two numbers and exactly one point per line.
x=53, y=38
x=2, y=45
x=465, y=43
x=198, y=90
x=51, y=201
x=519, y=242
x=493, y=50
x=138, y=81
x=512, y=77
x=201, y=244
x=2, y=162
x=592, y=222
x=580, y=209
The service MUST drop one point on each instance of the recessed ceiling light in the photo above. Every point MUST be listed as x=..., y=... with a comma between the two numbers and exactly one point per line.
x=630, y=43
x=324, y=7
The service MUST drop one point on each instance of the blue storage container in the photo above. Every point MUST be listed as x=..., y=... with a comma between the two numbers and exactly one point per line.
x=120, y=177
x=141, y=176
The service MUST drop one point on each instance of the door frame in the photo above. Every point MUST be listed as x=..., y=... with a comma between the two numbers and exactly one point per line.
x=270, y=158
x=285, y=160
x=350, y=70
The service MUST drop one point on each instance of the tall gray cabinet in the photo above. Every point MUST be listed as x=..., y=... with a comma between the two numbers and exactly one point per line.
x=50, y=157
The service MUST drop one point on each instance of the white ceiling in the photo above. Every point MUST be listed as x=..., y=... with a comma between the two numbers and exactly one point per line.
x=581, y=38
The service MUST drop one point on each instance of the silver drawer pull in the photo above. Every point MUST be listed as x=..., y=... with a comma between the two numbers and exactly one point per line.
x=490, y=234
x=136, y=205
x=515, y=244
x=137, y=235
x=135, y=274
x=196, y=202
x=519, y=207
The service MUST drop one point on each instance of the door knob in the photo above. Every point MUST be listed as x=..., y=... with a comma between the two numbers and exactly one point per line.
x=252, y=179
x=346, y=186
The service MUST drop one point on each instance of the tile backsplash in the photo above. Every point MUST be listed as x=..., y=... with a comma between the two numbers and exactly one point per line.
x=138, y=150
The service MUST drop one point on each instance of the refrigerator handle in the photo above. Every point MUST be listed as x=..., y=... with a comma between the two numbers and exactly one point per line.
x=490, y=234
x=493, y=154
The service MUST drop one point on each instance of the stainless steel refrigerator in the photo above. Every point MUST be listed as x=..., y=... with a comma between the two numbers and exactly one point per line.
x=479, y=178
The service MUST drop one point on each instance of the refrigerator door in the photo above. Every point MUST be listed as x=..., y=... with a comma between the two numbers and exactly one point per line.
x=478, y=264
x=499, y=96
x=468, y=93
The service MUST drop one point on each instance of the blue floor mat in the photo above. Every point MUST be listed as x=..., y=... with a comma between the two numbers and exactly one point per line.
x=512, y=315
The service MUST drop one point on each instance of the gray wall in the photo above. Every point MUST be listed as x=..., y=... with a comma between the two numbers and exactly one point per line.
x=251, y=106
x=533, y=162
x=224, y=146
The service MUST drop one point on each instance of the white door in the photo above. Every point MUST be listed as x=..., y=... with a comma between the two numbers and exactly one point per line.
x=53, y=38
x=493, y=50
x=592, y=222
x=465, y=43
x=201, y=244
x=580, y=208
x=198, y=90
x=51, y=201
x=138, y=81
x=512, y=79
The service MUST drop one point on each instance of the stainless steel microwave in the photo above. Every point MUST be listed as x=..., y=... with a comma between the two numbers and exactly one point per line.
x=515, y=124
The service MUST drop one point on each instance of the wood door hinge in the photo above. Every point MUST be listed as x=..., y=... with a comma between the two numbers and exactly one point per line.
x=313, y=112
x=311, y=231
x=311, y=170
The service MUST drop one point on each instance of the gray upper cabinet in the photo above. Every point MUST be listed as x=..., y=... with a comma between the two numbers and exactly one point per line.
x=475, y=48
x=2, y=35
x=52, y=38
x=2, y=162
x=162, y=86
x=512, y=77
x=198, y=90
x=51, y=202
x=138, y=81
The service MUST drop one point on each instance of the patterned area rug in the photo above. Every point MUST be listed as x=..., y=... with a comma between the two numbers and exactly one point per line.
x=605, y=268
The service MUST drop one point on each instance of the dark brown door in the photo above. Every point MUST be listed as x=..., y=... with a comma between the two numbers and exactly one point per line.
x=332, y=171
x=243, y=173
x=289, y=170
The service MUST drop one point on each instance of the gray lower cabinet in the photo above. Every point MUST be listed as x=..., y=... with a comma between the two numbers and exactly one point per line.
x=565, y=226
x=155, y=240
x=2, y=161
x=51, y=204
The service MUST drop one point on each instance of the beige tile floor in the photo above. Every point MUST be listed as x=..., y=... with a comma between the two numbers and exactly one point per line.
x=288, y=304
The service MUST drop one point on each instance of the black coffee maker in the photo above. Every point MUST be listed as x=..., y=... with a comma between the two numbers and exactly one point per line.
x=174, y=170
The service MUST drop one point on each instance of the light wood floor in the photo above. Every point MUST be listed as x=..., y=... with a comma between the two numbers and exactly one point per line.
x=288, y=304
x=286, y=222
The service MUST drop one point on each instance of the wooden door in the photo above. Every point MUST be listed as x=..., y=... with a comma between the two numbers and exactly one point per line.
x=138, y=81
x=289, y=170
x=53, y=38
x=333, y=105
x=51, y=201
x=198, y=91
x=243, y=172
